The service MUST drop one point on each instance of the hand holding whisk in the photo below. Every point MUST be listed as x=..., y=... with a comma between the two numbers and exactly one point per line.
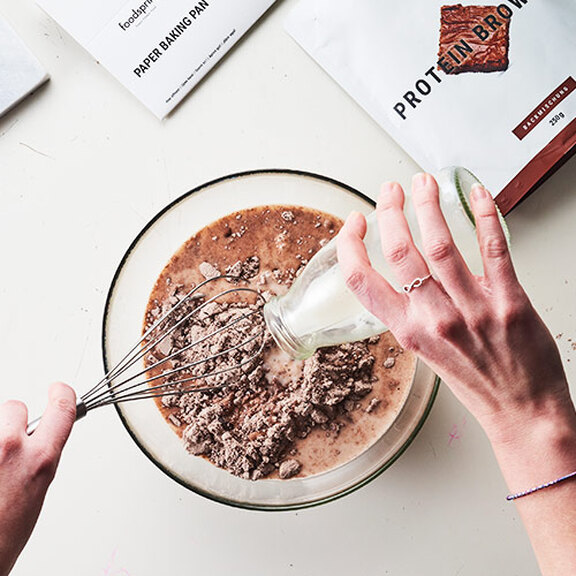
x=175, y=356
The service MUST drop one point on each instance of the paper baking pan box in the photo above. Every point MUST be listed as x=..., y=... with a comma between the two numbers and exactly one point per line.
x=485, y=85
x=159, y=49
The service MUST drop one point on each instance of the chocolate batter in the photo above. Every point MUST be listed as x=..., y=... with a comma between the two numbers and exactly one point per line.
x=275, y=417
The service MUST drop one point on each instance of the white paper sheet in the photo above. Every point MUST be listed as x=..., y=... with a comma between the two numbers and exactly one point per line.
x=20, y=71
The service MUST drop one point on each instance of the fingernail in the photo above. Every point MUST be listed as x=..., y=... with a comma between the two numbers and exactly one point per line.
x=478, y=192
x=419, y=180
x=352, y=217
x=355, y=224
x=388, y=187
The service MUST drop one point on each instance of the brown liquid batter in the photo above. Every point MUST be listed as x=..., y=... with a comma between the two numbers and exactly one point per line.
x=269, y=245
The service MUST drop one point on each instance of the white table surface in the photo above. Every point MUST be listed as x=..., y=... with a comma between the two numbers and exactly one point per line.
x=83, y=166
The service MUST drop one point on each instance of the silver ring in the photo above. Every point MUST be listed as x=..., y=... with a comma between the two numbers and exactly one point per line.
x=416, y=283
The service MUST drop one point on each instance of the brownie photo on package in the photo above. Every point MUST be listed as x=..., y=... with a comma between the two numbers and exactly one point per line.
x=474, y=38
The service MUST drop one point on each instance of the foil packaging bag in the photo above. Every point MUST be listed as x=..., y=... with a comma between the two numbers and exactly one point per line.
x=488, y=86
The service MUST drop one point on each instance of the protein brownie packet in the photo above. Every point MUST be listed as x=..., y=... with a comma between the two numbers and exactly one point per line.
x=485, y=85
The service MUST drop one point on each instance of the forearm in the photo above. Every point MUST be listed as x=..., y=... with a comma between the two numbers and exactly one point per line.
x=8, y=553
x=542, y=450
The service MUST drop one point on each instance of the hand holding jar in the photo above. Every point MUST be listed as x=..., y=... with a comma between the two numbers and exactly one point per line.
x=485, y=340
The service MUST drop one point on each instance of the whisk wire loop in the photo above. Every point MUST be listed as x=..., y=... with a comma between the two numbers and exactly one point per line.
x=118, y=385
x=112, y=398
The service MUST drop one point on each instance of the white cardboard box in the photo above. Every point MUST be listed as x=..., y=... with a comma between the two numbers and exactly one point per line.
x=159, y=49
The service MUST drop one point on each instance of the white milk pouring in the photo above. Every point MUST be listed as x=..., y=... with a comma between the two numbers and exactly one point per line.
x=319, y=309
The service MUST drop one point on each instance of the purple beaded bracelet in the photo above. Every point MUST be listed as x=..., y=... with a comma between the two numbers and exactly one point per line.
x=541, y=487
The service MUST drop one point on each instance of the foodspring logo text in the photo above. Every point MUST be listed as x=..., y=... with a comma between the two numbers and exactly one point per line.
x=136, y=14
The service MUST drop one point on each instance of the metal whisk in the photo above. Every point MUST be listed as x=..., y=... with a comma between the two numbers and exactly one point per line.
x=118, y=385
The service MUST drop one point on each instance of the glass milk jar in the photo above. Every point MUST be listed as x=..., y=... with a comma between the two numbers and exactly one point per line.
x=320, y=310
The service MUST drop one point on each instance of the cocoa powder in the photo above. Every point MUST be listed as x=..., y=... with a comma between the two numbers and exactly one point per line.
x=271, y=416
x=248, y=424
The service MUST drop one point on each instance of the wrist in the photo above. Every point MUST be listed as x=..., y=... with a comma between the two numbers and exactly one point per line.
x=549, y=414
x=537, y=446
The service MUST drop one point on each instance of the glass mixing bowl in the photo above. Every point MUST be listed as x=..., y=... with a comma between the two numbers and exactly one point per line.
x=123, y=318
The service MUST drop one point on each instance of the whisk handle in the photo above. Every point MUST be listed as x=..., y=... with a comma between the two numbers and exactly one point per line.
x=81, y=411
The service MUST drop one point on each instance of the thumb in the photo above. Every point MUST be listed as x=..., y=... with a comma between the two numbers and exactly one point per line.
x=58, y=418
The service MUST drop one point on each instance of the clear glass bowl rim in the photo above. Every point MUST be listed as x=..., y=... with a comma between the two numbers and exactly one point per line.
x=209, y=495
